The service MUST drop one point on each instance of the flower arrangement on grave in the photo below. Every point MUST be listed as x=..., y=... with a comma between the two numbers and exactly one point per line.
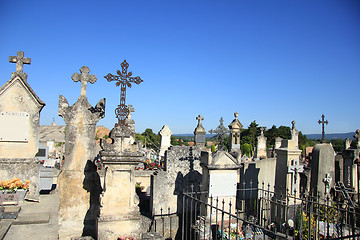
x=126, y=238
x=14, y=184
x=149, y=165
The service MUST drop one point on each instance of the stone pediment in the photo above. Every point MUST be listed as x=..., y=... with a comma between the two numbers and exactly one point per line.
x=222, y=160
x=18, y=91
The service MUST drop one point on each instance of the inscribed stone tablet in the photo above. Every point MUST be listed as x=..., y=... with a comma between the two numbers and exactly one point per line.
x=14, y=127
x=200, y=138
x=223, y=185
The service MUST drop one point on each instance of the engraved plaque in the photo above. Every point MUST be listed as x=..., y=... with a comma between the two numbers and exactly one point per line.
x=200, y=138
x=14, y=126
x=223, y=185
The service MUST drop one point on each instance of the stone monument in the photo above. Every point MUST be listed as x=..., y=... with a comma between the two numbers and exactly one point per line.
x=165, y=143
x=120, y=213
x=235, y=128
x=261, y=145
x=351, y=158
x=20, y=111
x=81, y=119
x=199, y=133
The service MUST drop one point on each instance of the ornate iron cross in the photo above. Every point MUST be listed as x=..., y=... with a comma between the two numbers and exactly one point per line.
x=323, y=127
x=124, y=79
x=221, y=131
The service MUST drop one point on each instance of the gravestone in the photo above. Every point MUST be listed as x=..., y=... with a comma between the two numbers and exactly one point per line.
x=261, y=146
x=322, y=170
x=165, y=143
x=199, y=133
x=235, y=129
x=120, y=213
x=81, y=119
x=20, y=109
x=350, y=157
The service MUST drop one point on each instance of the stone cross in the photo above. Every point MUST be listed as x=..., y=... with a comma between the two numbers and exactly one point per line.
x=131, y=109
x=20, y=60
x=84, y=78
x=124, y=79
x=294, y=169
x=199, y=118
x=221, y=131
x=323, y=122
x=327, y=181
x=357, y=137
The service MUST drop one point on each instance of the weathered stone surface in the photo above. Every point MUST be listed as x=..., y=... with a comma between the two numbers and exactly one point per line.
x=165, y=134
x=81, y=119
x=235, y=129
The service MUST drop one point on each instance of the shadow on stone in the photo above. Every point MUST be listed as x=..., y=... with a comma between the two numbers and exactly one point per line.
x=92, y=184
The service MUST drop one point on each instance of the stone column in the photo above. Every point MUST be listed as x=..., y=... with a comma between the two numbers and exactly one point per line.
x=165, y=134
x=235, y=128
x=199, y=133
x=81, y=119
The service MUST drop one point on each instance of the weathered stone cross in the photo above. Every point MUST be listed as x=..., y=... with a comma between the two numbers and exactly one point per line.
x=357, y=136
x=294, y=169
x=199, y=118
x=20, y=60
x=221, y=131
x=327, y=181
x=124, y=79
x=323, y=127
x=84, y=78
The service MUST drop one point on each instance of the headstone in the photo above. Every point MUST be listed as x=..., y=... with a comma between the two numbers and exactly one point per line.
x=165, y=143
x=261, y=145
x=350, y=157
x=294, y=169
x=81, y=119
x=347, y=143
x=322, y=170
x=199, y=133
x=20, y=111
x=235, y=129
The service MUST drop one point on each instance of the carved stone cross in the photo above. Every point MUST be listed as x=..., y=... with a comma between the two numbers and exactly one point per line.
x=295, y=168
x=131, y=109
x=84, y=78
x=124, y=79
x=323, y=122
x=357, y=137
x=327, y=181
x=20, y=60
x=199, y=118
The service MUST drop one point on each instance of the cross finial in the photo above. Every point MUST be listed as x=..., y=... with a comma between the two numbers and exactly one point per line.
x=84, y=78
x=20, y=60
x=323, y=122
x=199, y=118
x=131, y=109
x=262, y=131
x=236, y=114
x=293, y=124
x=123, y=79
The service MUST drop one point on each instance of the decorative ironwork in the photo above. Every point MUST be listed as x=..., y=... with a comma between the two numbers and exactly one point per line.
x=323, y=127
x=124, y=79
x=221, y=132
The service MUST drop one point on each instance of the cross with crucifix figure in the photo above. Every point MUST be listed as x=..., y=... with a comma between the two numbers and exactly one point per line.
x=295, y=168
x=221, y=131
x=357, y=137
x=20, y=60
x=327, y=181
x=124, y=79
x=323, y=122
x=84, y=78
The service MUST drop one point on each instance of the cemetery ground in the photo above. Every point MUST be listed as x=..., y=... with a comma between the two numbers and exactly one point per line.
x=35, y=220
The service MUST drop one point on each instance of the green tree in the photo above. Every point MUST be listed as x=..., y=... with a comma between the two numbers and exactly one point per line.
x=247, y=149
x=338, y=145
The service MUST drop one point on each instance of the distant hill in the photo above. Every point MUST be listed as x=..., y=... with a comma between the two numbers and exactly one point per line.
x=332, y=136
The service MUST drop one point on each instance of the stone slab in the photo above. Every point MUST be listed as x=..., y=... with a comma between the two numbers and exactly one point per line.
x=4, y=228
x=9, y=215
x=12, y=209
x=33, y=218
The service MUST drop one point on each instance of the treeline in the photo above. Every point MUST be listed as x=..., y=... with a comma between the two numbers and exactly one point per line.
x=248, y=139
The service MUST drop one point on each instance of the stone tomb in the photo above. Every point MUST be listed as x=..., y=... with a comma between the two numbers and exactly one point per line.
x=81, y=119
x=20, y=111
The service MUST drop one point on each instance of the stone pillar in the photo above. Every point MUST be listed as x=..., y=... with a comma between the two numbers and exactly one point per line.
x=165, y=134
x=199, y=133
x=235, y=128
x=350, y=168
x=261, y=146
x=81, y=119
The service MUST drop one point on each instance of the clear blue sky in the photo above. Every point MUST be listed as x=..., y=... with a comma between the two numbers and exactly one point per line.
x=271, y=61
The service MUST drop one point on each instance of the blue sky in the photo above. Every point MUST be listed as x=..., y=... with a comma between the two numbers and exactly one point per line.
x=272, y=61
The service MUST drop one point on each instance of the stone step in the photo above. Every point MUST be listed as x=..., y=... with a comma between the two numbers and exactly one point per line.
x=4, y=228
x=32, y=218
